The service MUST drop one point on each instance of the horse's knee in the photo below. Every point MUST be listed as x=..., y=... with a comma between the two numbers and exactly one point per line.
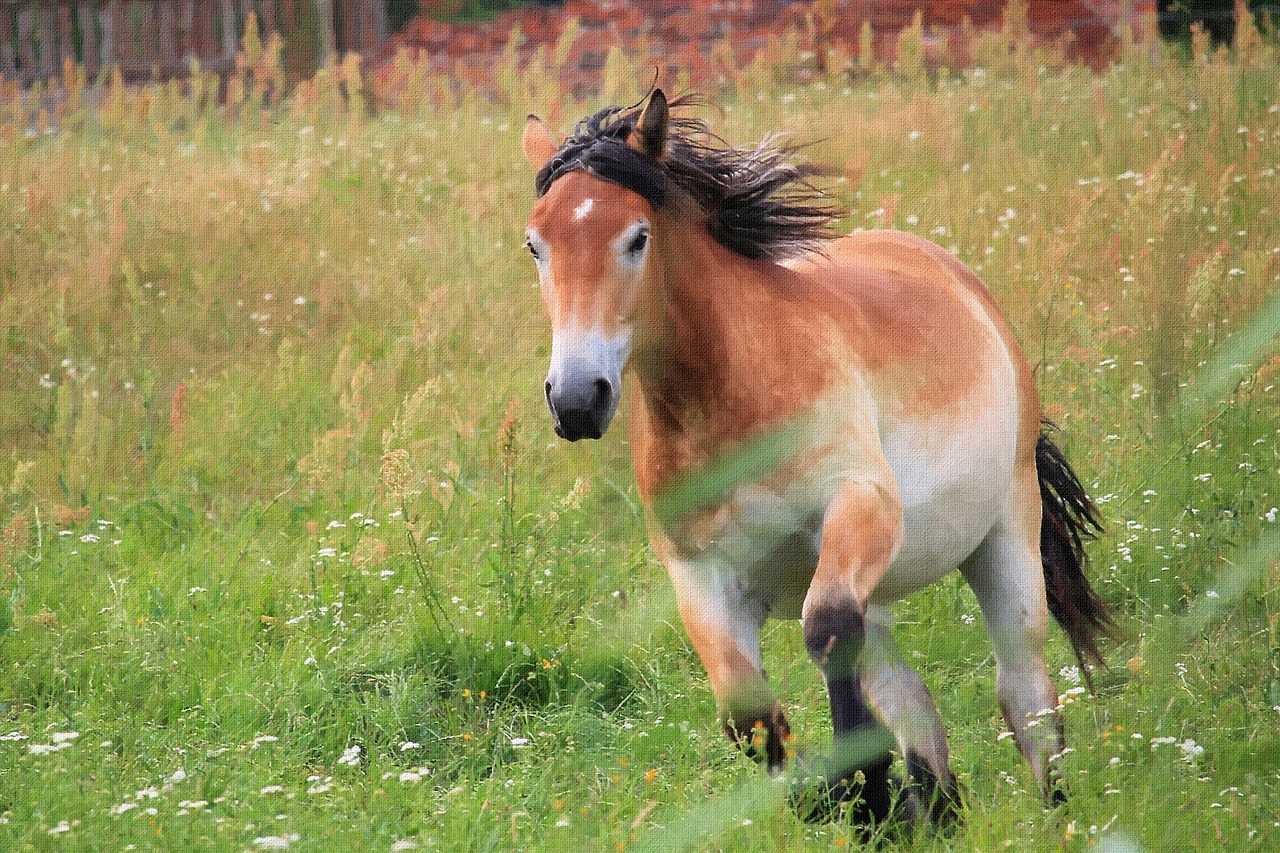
x=833, y=634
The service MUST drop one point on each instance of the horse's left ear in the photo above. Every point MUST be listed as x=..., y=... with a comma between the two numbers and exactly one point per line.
x=650, y=136
x=539, y=145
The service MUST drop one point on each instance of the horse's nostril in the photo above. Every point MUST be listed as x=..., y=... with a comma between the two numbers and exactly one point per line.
x=603, y=390
x=546, y=389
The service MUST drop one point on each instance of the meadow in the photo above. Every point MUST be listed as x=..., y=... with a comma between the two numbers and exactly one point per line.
x=290, y=557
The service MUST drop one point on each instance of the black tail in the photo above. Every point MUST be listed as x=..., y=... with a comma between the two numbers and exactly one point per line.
x=1070, y=518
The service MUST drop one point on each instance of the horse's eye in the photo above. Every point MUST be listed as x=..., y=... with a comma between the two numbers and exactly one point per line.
x=532, y=250
x=637, y=245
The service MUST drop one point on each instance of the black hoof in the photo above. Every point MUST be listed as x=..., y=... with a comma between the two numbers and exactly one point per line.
x=1056, y=791
x=762, y=735
x=866, y=797
x=937, y=799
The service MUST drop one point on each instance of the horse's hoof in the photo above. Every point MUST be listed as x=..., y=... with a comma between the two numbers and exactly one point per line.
x=940, y=803
x=941, y=809
x=869, y=800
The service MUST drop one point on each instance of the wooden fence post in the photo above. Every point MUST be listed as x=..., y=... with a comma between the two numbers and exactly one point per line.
x=328, y=46
x=66, y=36
x=184, y=32
x=230, y=38
x=91, y=55
x=8, y=58
x=123, y=46
x=48, y=42
x=26, y=42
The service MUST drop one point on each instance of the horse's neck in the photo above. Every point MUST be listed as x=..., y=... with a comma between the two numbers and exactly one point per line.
x=694, y=359
x=710, y=375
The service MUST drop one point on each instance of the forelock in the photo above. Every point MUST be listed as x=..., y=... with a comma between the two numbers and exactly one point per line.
x=599, y=147
x=758, y=201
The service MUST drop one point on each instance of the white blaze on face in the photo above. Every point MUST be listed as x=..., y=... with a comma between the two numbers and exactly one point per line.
x=580, y=212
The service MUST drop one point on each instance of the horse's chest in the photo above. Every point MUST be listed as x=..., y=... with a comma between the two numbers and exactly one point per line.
x=760, y=544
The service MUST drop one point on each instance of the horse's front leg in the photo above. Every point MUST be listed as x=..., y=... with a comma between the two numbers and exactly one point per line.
x=861, y=534
x=724, y=628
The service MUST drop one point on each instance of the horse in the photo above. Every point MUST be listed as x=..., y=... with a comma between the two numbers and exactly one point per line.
x=818, y=427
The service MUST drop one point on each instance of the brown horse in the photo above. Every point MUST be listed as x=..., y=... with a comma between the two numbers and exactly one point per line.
x=911, y=434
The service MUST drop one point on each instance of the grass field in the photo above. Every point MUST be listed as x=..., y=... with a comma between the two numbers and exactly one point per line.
x=292, y=559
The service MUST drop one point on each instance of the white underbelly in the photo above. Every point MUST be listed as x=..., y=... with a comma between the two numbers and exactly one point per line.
x=952, y=487
x=952, y=483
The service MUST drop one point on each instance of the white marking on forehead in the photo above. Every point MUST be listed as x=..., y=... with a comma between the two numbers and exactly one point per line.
x=580, y=212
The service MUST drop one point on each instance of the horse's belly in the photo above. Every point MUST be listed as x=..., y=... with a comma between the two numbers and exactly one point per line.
x=952, y=478
x=953, y=483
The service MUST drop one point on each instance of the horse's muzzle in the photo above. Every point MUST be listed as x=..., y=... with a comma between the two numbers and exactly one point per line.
x=580, y=409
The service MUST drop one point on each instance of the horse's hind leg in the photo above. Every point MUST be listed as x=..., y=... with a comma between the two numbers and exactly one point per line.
x=1007, y=577
x=861, y=534
x=903, y=702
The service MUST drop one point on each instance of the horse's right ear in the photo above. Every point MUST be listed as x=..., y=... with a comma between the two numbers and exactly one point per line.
x=650, y=137
x=539, y=145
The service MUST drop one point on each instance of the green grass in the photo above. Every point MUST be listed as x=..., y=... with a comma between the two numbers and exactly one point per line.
x=278, y=482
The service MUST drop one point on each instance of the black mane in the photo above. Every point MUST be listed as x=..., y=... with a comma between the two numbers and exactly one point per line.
x=758, y=202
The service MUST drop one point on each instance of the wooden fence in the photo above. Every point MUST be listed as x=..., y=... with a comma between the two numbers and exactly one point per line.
x=159, y=38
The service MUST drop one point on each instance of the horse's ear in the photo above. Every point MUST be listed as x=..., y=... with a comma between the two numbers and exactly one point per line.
x=539, y=145
x=650, y=136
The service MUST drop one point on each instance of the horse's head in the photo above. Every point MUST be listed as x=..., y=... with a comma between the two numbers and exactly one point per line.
x=590, y=234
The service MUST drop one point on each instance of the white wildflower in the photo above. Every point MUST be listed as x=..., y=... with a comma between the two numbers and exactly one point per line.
x=323, y=784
